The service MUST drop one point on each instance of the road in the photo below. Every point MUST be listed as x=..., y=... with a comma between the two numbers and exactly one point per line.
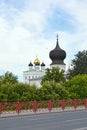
x=76, y=120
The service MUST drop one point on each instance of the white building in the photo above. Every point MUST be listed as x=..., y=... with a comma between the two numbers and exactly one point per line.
x=36, y=71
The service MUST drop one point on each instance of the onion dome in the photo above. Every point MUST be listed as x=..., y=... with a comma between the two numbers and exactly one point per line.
x=37, y=61
x=57, y=55
x=30, y=64
x=42, y=64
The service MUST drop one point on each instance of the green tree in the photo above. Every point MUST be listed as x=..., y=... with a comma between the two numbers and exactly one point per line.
x=8, y=77
x=26, y=92
x=53, y=75
x=53, y=91
x=3, y=97
x=77, y=86
x=79, y=64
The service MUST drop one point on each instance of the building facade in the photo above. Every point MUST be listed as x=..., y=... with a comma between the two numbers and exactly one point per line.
x=36, y=70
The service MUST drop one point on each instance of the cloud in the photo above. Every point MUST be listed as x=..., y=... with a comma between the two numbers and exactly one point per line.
x=29, y=28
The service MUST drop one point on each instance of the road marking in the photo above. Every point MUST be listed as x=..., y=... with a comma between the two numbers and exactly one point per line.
x=76, y=119
x=84, y=128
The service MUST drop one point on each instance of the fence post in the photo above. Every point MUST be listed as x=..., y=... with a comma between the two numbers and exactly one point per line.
x=0, y=108
x=49, y=105
x=63, y=104
x=85, y=103
x=18, y=107
x=35, y=106
x=75, y=103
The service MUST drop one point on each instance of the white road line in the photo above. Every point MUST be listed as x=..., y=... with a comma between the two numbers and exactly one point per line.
x=78, y=119
x=84, y=128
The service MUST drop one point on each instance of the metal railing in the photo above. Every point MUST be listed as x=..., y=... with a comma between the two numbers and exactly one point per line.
x=40, y=106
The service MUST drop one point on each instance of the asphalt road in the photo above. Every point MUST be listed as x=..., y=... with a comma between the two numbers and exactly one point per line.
x=76, y=120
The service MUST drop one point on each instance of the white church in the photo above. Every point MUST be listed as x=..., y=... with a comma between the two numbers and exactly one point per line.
x=37, y=69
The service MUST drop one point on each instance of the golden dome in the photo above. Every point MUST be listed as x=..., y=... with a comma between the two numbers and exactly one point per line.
x=37, y=61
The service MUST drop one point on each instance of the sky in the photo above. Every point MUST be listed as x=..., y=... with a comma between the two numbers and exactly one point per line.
x=28, y=28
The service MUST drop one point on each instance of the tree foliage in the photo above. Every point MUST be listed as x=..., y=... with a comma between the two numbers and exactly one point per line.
x=77, y=86
x=79, y=64
x=53, y=75
x=53, y=91
x=8, y=77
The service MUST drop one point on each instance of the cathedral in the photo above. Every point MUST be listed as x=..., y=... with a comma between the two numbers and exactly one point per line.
x=36, y=69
